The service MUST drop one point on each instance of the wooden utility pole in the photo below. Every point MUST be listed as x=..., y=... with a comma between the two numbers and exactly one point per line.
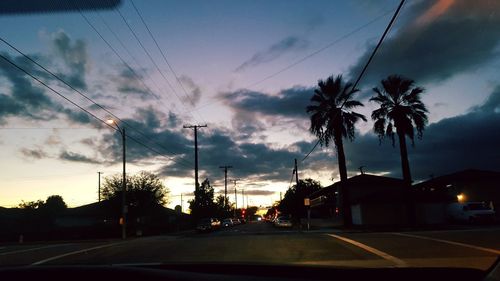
x=225, y=182
x=195, y=127
x=99, y=187
x=296, y=171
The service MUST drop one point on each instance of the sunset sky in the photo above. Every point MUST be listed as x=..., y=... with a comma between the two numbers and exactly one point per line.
x=247, y=69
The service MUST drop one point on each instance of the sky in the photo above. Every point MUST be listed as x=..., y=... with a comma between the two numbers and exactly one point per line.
x=247, y=69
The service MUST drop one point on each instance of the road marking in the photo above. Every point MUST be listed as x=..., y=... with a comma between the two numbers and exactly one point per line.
x=497, y=252
x=386, y=256
x=74, y=253
x=32, y=249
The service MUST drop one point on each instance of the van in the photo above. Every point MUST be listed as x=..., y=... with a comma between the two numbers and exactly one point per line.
x=470, y=212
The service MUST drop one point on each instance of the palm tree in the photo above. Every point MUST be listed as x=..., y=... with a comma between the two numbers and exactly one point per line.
x=332, y=118
x=402, y=110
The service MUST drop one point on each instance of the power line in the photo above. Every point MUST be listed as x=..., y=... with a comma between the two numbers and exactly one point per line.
x=161, y=52
x=365, y=67
x=54, y=91
x=77, y=105
x=151, y=59
x=299, y=61
x=83, y=95
x=117, y=38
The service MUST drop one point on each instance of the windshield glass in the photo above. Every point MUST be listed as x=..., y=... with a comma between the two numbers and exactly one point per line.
x=333, y=133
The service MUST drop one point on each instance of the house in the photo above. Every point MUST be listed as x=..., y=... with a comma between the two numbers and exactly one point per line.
x=467, y=185
x=374, y=200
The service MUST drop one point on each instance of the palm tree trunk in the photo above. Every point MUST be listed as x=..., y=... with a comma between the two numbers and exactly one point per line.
x=405, y=165
x=343, y=192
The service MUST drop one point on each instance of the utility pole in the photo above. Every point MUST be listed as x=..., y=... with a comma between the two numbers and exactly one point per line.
x=296, y=171
x=225, y=182
x=123, y=219
x=243, y=198
x=195, y=127
x=235, y=196
x=99, y=187
x=181, y=202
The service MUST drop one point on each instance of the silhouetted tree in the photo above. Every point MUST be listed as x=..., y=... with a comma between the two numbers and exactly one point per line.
x=145, y=191
x=30, y=205
x=293, y=201
x=401, y=110
x=332, y=118
x=224, y=208
x=203, y=204
x=54, y=205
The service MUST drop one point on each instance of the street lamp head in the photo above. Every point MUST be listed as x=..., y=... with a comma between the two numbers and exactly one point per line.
x=111, y=121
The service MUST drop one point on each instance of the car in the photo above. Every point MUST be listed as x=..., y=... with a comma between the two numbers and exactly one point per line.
x=236, y=221
x=207, y=224
x=470, y=212
x=283, y=222
x=227, y=222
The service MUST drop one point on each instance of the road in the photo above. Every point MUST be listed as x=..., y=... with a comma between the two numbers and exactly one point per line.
x=262, y=243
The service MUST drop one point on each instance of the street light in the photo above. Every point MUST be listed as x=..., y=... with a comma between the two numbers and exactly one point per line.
x=123, y=220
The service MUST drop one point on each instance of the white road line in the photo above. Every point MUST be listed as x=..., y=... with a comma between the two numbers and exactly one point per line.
x=32, y=249
x=74, y=253
x=497, y=252
x=386, y=256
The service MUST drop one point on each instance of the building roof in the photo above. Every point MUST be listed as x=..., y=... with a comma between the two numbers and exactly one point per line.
x=461, y=176
x=363, y=180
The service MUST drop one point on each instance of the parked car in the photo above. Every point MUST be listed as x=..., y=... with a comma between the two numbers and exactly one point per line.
x=471, y=212
x=227, y=222
x=283, y=222
x=207, y=224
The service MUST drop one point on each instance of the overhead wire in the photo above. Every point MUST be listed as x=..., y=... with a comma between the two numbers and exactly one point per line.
x=148, y=54
x=162, y=53
x=76, y=104
x=386, y=31
x=84, y=96
x=308, y=56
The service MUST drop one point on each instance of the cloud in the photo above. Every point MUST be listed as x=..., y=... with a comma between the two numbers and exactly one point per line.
x=286, y=45
x=36, y=153
x=195, y=94
x=24, y=98
x=74, y=55
x=452, y=144
x=77, y=157
x=290, y=102
x=129, y=82
x=259, y=192
x=437, y=42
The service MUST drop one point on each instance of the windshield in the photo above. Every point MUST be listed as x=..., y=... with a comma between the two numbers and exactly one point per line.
x=332, y=133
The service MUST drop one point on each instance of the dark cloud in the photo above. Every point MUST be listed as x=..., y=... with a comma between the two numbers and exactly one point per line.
x=129, y=82
x=173, y=120
x=25, y=99
x=195, y=91
x=74, y=55
x=290, y=102
x=288, y=44
x=432, y=47
x=36, y=153
x=452, y=144
x=77, y=157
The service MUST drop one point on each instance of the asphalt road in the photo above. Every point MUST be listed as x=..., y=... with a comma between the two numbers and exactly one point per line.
x=262, y=243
